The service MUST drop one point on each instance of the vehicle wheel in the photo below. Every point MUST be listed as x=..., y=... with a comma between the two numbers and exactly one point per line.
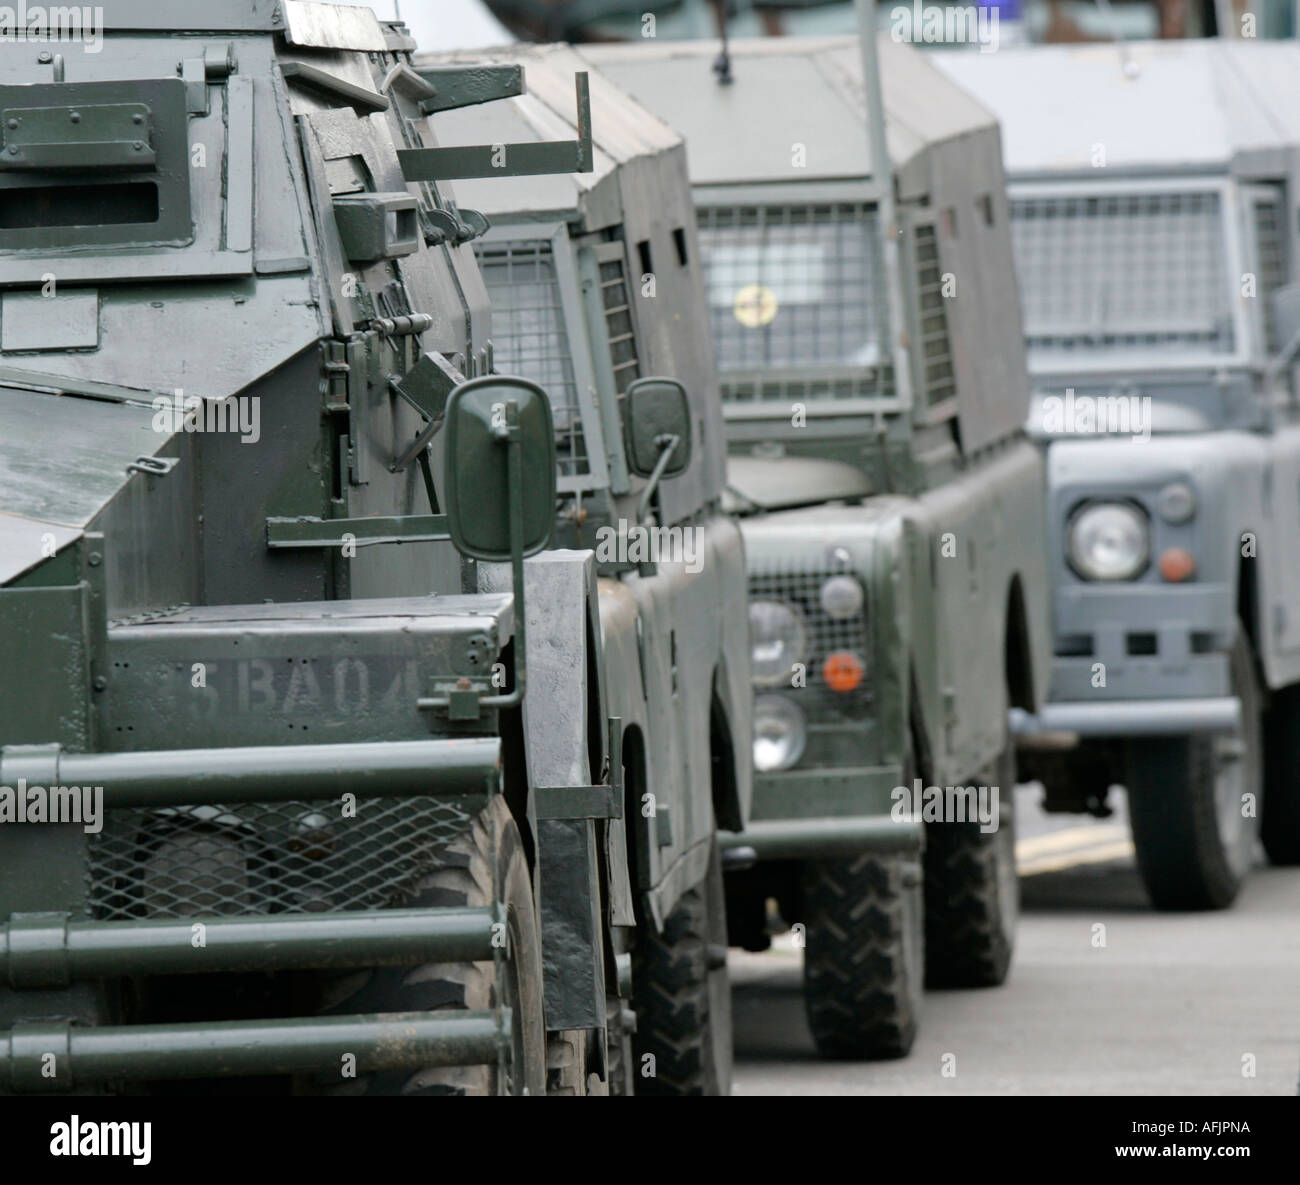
x=972, y=894
x=864, y=963
x=465, y=878
x=1280, y=821
x=682, y=997
x=1194, y=844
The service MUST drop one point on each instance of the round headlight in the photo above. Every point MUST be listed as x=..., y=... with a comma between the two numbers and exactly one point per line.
x=780, y=733
x=1108, y=541
x=841, y=597
x=778, y=639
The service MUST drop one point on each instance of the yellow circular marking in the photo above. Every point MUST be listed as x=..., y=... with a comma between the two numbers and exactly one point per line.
x=755, y=306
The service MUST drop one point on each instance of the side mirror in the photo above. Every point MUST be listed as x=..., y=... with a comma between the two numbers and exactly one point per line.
x=657, y=428
x=500, y=468
x=1286, y=313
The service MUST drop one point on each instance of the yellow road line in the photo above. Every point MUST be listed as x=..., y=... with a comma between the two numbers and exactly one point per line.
x=1119, y=850
x=1068, y=839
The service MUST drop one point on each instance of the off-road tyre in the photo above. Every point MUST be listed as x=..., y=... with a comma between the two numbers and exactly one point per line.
x=864, y=961
x=972, y=895
x=464, y=878
x=1194, y=844
x=1280, y=822
x=682, y=996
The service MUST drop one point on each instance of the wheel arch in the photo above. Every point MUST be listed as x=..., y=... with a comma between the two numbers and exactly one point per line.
x=1247, y=602
x=1018, y=649
x=724, y=769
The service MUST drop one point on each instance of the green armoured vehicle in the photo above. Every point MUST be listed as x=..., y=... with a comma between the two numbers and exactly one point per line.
x=273, y=801
x=595, y=284
x=867, y=329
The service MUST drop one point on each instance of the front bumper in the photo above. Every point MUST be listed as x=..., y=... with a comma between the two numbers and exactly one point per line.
x=41, y=951
x=1173, y=692
x=825, y=839
x=1131, y=718
x=827, y=814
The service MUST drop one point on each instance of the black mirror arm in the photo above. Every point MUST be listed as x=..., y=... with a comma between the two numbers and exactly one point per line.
x=1286, y=357
x=667, y=444
x=508, y=434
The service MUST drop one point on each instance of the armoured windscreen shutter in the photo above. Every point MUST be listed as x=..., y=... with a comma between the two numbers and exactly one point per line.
x=616, y=300
x=1267, y=252
x=934, y=381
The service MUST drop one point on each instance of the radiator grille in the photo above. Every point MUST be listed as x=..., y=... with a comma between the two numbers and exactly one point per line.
x=796, y=287
x=529, y=336
x=802, y=589
x=294, y=857
x=1123, y=272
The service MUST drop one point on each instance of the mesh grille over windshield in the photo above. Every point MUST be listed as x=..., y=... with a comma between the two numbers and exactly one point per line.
x=1138, y=273
x=795, y=287
x=529, y=337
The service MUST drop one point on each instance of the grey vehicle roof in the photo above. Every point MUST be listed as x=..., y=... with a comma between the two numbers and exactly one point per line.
x=1183, y=105
x=316, y=23
x=805, y=90
x=622, y=130
x=196, y=15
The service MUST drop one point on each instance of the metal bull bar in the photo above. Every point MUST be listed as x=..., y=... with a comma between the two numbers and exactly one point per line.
x=52, y=950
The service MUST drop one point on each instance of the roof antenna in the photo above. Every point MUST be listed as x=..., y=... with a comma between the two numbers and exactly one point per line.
x=722, y=63
x=1126, y=64
x=397, y=10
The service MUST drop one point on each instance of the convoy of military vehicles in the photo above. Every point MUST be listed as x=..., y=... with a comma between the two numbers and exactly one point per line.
x=481, y=533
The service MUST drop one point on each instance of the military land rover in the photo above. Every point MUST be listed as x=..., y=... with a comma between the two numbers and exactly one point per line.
x=1153, y=209
x=593, y=292
x=867, y=331
x=308, y=778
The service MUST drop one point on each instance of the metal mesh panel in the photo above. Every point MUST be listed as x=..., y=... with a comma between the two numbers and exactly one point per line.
x=802, y=589
x=936, y=350
x=618, y=320
x=529, y=337
x=1123, y=272
x=1271, y=247
x=796, y=287
x=786, y=391
x=289, y=857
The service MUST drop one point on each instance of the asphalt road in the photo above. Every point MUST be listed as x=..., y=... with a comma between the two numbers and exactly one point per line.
x=1171, y=1004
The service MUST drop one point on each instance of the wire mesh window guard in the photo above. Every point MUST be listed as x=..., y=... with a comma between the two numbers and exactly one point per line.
x=796, y=287
x=529, y=337
x=1130, y=272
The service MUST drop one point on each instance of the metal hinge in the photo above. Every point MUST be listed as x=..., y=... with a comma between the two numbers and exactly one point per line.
x=153, y=466
x=604, y=801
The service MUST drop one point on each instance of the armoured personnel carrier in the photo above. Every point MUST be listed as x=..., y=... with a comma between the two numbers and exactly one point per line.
x=595, y=287
x=294, y=741
x=1153, y=195
x=863, y=304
